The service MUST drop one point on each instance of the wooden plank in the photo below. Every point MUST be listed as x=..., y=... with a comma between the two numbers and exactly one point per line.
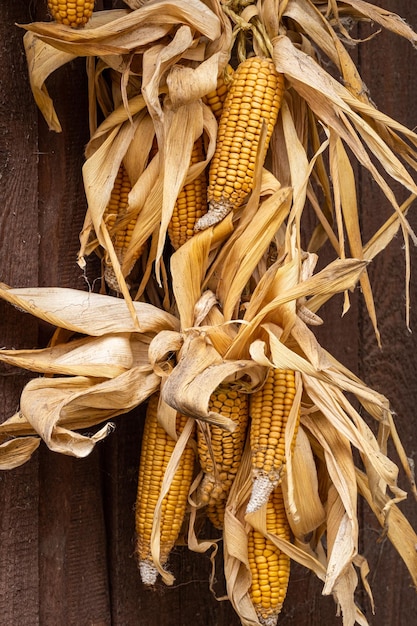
x=65, y=553
x=19, y=593
x=391, y=370
x=72, y=534
x=72, y=542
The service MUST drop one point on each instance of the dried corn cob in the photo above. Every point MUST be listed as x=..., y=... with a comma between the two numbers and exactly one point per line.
x=72, y=13
x=156, y=451
x=269, y=566
x=270, y=407
x=215, y=99
x=120, y=231
x=220, y=451
x=191, y=203
x=254, y=98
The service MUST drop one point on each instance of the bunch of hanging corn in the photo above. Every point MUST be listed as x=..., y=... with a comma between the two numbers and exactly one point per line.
x=243, y=489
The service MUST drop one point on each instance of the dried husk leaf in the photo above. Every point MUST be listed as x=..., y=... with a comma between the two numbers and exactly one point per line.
x=86, y=312
x=304, y=508
x=387, y=19
x=337, y=276
x=320, y=31
x=16, y=452
x=41, y=401
x=329, y=100
x=342, y=524
x=122, y=31
x=55, y=408
x=248, y=247
x=395, y=525
x=105, y=357
x=346, y=184
x=43, y=60
x=340, y=568
x=339, y=413
x=157, y=60
x=99, y=174
x=383, y=237
x=182, y=127
x=189, y=84
x=189, y=265
x=147, y=196
x=299, y=167
x=161, y=350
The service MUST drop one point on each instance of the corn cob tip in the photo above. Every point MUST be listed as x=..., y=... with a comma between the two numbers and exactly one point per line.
x=216, y=212
x=262, y=488
x=111, y=280
x=271, y=620
x=148, y=572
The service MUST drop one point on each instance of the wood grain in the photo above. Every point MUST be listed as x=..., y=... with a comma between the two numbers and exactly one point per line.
x=19, y=492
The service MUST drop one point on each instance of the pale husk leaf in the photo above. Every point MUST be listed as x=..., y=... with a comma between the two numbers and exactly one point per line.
x=157, y=61
x=348, y=203
x=55, y=407
x=338, y=411
x=122, y=31
x=104, y=357
x=16, y=452
x=182, y=127
x=189, y=265
x=337, y=276
x=395, y=525
x=248, y=248
x=387, y=19
x=43, y=60
x=86, y=312
x=330, y=100
x=304, y=508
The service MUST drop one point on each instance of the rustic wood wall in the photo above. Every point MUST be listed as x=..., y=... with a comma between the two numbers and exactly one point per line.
x=66, y=525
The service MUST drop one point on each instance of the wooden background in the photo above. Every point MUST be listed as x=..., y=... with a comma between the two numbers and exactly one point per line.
x=66, y=525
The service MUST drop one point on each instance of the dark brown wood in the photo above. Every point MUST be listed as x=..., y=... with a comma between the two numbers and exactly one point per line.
x=67, y=525
x=19, y=490
x=391, y=369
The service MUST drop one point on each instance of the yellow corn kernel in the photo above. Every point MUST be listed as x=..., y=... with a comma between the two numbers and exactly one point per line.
x=74, y=13
x=215, y=99
x=269, y=566
x=253, y=99
x=118, y=224
x=270, y=407
x=220, y=451
x=156, y=451
x=191, y=203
